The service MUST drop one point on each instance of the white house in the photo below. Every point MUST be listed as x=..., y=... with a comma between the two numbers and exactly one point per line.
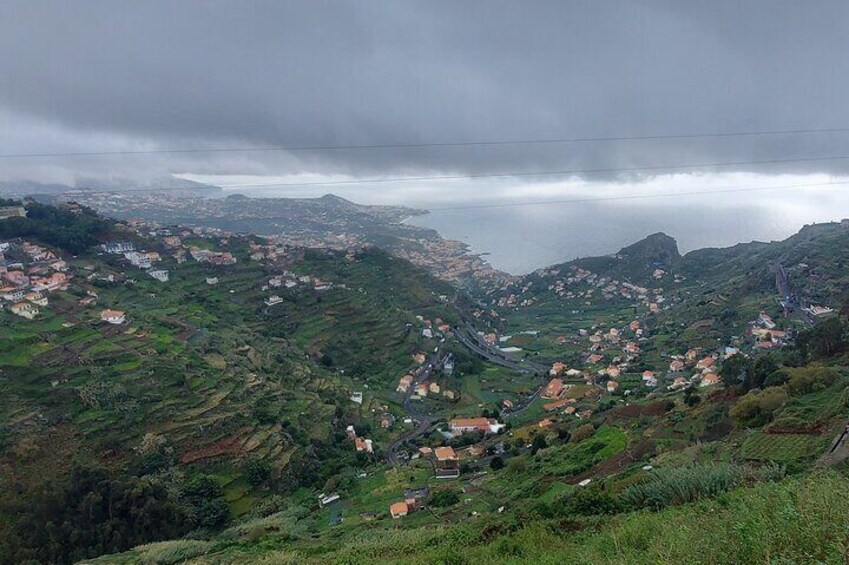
x=113, y=317
x=118, y=247
x=159, y=274
x=15, y=295
x=25, y=310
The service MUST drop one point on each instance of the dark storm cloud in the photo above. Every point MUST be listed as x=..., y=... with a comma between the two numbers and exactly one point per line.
x=83, y=76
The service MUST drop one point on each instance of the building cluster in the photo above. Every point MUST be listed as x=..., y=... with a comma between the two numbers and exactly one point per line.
x=583, y=286
x=766, y=334
x=428, y=379
x=697, y=368
x=452, y=261
x=28, y=273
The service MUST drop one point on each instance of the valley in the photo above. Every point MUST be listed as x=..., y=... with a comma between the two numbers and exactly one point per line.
x=256, y=391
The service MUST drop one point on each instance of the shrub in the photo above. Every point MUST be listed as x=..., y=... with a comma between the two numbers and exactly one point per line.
x=592, y=500
x=583, y=432
x=167, y=552
x=758, y=408
x=256, y=472
x=681, y=485
x=810, y=379
x=443, y=498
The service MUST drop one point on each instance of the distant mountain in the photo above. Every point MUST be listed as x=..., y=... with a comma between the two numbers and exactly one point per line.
x=162, y=183
x=84, y=185
x=27, y=187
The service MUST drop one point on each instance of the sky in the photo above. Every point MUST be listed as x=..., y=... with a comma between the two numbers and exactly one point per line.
x=105, y=76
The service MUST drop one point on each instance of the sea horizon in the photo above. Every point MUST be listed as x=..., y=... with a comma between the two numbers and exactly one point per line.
x=522, y=239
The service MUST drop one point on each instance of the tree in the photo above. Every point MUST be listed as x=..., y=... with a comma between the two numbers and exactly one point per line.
x=205, y=498
x=763, y=368
x=442, y=498
x=735, y=370
x=256, y=472
x=826, y=339
x=538, y=443
x=691, y=398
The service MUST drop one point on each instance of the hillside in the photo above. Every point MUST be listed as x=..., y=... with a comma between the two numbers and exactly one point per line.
x=199, y=377
x=209, y=397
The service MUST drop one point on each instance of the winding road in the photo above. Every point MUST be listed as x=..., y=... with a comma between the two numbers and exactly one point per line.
x=425, y=423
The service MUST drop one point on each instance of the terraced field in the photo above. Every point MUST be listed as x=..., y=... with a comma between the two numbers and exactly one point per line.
x=783, y=448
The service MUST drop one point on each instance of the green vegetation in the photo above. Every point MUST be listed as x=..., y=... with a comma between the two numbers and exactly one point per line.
x=681, y=485
x=73, y=231
x=792, y=521
x=207, y=427
x=761, y=446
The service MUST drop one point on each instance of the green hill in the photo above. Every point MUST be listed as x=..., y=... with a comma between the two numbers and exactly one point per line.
x=207, y=426
x=202, y=380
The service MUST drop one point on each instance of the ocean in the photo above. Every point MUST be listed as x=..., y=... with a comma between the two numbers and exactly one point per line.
x=520, y=239
x=522, y=227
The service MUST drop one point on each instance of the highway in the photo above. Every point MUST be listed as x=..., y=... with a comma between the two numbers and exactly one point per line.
x=469, y=338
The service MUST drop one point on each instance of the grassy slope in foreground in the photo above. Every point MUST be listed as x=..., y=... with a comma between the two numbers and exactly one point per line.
x=800, y=520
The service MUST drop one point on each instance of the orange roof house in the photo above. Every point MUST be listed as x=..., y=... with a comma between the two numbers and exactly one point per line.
x=445, y=454
x=399, y=509
x=676, y=366
x=710, y=379
x=485, y=425
x=705, y=362
x=553, y=389
x=113, y=316
x=557, y=368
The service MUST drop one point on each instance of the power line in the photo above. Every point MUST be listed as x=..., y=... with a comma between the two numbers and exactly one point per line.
x=482, y=143
x=518, y=174
x=534, y=173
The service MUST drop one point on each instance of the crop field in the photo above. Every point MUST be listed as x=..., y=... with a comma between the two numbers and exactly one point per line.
x=780, y=447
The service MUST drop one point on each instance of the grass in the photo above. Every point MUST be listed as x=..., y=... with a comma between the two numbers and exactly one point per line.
x=800, y=520
x=681, y=485
x=576, y=457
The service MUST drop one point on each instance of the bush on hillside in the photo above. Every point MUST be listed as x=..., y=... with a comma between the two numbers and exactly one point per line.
x=758, y=408
x=825, y=339
x=810, y=379
x=681, y=485
x=443, y=498
x=583, y=432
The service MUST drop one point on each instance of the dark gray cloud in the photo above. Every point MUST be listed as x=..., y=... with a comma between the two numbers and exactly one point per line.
x=105, y=75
